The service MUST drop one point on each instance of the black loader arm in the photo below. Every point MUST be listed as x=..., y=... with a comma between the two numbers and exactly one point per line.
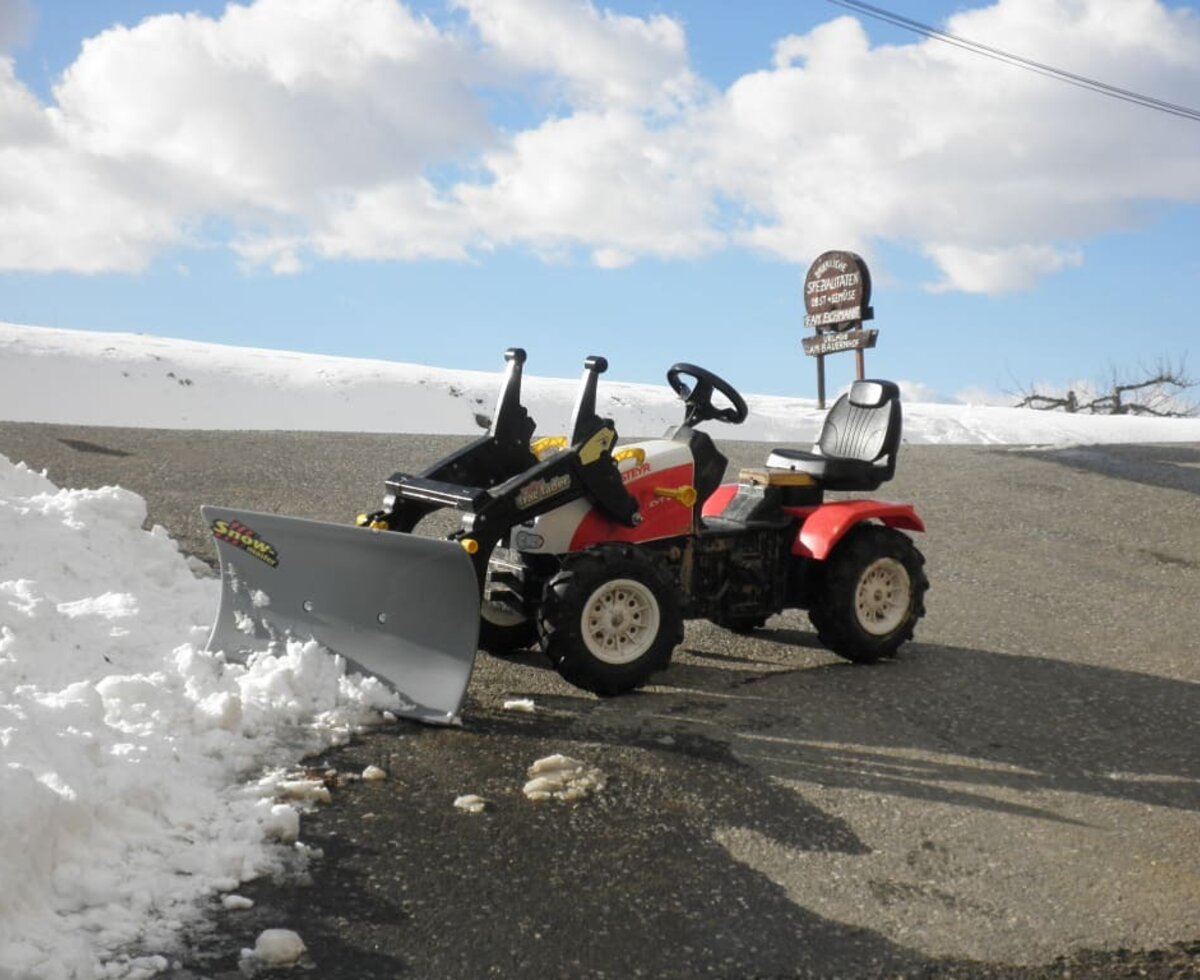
x=587, y=470
x=504, y=451
x=479, y=480
x=487, y=461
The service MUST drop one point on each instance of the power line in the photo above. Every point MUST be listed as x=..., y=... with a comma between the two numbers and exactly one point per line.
x=1081, y=81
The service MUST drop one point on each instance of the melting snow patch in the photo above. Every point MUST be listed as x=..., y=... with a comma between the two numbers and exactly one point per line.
x=373, y=774
x=470, y=803
x=304, y=790
x=520, y=704
x=237, y=902
x=562, y=778
x=277, y=947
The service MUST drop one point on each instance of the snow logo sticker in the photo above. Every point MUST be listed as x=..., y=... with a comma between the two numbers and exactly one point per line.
x=240, y=536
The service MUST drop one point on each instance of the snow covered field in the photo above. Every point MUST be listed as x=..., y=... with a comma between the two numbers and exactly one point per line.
x=135, y=380
x=142, y=776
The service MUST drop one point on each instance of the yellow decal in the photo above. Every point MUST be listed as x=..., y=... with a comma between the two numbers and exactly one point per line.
x=240, y=536
x=597, y=446
x=543, y=446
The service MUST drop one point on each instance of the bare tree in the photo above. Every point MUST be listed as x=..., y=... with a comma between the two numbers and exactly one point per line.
x=1159, y=391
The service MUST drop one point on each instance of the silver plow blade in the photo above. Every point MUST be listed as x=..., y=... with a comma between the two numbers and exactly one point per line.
x=403, y=608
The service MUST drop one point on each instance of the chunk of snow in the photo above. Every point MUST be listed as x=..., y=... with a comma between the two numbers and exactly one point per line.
x=282, y=822
x=278, y=947
x=373, y=774
x=563, y=778
x=520, y=704
x=237, y=902
x=303, y=790
x=470, y=803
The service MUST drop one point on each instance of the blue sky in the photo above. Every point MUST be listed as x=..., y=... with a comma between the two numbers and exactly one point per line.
x=431, y=184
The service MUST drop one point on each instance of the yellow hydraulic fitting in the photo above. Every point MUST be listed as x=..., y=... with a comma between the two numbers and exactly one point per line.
x=469, y=545
x=685, y=495
x=545, y=444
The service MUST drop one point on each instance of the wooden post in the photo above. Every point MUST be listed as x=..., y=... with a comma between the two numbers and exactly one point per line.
x=821, y=381
x=860, y=363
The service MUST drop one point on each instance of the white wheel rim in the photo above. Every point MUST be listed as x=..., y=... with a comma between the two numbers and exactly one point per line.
x=620, y=621
x=883, y=596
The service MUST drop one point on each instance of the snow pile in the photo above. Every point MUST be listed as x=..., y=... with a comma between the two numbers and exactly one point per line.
x=124, y=747
x=81, y=377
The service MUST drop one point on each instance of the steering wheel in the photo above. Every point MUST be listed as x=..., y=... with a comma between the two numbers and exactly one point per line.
x=698, y=397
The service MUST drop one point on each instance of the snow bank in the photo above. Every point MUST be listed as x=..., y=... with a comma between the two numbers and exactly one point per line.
x=81, y=377
x=137, y=770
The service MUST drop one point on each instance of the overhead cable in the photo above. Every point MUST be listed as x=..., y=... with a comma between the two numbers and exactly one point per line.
x=1081, y=81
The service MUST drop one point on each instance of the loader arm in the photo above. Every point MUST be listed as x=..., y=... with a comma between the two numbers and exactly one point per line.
x=485, y=462
x=586, y=469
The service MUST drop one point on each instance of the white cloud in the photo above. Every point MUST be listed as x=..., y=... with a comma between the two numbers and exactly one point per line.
x=983, y=166
x=983, y=396
x=60, y=209
x=276, y=102
x=348, y=129
x=601, y=58
x=603, y=181
x=918, y=391
x=997, y=270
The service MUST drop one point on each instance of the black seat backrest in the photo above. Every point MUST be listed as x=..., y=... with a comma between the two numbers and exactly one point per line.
x=864, y=424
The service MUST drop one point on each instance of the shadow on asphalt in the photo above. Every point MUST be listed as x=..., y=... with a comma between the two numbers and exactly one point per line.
x=1168, y=466
x=632, y=882
x=939, y=718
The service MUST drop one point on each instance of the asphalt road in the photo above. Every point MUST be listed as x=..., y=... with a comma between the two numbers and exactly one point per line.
x=1016, y=795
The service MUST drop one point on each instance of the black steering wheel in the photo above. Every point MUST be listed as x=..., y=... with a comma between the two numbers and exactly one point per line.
x=698, y=397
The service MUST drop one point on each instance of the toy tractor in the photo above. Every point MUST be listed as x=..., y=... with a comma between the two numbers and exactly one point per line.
x=594, y=552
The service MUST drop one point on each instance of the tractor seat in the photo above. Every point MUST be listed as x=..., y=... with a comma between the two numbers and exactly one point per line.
x=856, y=449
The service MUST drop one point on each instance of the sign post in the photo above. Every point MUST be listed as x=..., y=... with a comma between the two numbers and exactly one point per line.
x=837, y=296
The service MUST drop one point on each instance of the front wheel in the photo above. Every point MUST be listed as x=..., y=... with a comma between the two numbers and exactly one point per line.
x=503, y=631
x=609, y=619
x=871, y=594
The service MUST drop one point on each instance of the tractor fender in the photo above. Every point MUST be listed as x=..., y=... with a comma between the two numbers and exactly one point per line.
x=829, y=523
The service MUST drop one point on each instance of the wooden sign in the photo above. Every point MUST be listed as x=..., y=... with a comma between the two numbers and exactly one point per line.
x=833, y=343
x=837, y=298
x=837, y=292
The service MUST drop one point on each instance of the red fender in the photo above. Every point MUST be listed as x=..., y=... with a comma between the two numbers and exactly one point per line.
x=828, y=524
x=718, y=500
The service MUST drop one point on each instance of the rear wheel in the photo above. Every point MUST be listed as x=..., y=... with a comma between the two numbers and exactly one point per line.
x=871, y=595
x=609, y=619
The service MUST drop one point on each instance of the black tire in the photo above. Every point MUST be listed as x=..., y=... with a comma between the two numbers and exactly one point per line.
x=741, y=624
x=501, y=636
x=505, y=626
x=872, y=593
x=609, y=619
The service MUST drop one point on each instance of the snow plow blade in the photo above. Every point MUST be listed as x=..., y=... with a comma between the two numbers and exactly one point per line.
x=401, y=607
